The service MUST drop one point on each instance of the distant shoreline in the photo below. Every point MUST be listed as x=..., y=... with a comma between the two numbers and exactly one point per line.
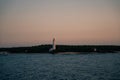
x=64, y=48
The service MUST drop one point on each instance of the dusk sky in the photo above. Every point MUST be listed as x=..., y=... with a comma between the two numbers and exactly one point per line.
x=72, y=22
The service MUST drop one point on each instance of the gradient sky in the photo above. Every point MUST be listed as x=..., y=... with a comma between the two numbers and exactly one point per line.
x=79, y=22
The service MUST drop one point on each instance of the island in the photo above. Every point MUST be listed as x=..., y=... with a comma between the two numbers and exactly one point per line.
x=63, y=48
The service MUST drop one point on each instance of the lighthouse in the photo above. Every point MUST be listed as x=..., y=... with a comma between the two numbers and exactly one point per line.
x=54, y=47
x=52, y=50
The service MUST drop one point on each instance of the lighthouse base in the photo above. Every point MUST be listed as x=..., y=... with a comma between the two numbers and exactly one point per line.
x=53, y=52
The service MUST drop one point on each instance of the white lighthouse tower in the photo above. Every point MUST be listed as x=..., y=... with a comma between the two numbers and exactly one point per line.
x=53, y=46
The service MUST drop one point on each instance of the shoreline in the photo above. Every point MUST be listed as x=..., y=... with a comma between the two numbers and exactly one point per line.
x=64, y=48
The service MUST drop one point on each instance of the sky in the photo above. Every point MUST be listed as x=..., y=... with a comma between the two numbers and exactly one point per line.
x=71, y=22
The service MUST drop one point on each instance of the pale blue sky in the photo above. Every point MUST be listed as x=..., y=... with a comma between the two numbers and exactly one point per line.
x=79, y=22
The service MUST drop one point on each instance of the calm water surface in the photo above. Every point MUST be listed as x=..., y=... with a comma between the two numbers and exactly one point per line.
x=60, y=67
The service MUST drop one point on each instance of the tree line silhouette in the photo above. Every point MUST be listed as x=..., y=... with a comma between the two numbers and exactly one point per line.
x=63, y=48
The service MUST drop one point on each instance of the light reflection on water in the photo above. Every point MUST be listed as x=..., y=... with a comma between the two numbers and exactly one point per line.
x=60, y=67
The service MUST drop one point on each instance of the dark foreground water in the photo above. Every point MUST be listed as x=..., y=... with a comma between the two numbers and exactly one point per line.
x=60, y=67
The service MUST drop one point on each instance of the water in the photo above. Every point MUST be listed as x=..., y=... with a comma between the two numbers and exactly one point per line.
x=60, y=67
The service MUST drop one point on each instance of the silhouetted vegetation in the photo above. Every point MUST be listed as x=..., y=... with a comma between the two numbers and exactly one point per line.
x=63, y=48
